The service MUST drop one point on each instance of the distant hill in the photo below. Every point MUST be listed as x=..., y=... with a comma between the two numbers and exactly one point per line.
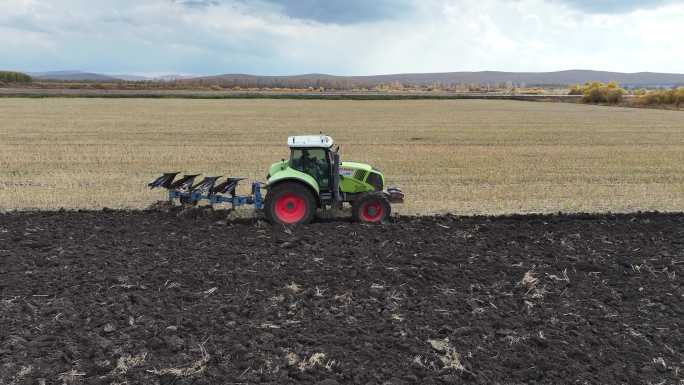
x=131, y=78
x=97, y=77
x=560, y=78
x=72, y=76
x=529, y=79
x=173, y=77
x=160, y=78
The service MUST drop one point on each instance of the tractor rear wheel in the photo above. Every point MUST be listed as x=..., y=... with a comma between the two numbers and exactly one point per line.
x=289, y=204
x=371, y=208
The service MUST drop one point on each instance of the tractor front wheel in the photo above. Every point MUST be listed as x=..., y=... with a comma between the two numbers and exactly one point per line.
x=289, y=204
x=371, y=208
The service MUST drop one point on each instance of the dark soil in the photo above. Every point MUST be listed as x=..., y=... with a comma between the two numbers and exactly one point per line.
x=148, y=297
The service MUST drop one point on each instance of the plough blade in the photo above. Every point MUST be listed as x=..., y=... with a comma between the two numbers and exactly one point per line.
x=164, y=181
x=183, y=183
x=205, y=186
x=227, y=187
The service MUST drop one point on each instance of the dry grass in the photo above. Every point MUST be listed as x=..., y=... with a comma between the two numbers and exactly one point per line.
x=449, y=357
x=196, y=368
x=126, y=362
x=462, y=156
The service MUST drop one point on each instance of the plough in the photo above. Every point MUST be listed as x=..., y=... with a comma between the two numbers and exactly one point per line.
x=187, y=193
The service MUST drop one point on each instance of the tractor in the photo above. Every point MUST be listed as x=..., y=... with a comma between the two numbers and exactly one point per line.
x=313, y=178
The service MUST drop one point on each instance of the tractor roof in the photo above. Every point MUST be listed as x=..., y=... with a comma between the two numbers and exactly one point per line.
x=322, y=141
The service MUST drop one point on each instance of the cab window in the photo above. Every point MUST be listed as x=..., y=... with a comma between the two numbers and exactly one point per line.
x=312, y=161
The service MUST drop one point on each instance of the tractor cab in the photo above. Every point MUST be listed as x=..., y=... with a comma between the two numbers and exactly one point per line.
x=314, y=155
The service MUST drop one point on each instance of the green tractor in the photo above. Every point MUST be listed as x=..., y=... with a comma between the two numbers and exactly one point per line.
x=313, y=178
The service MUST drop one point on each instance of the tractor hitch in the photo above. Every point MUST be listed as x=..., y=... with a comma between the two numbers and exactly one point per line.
x=394, y=195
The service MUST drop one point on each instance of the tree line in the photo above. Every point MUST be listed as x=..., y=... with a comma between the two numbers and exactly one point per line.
x=14, y=77
x=612, y=93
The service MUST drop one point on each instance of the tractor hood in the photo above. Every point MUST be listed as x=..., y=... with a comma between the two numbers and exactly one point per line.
x=360, y=177
x=355, y=166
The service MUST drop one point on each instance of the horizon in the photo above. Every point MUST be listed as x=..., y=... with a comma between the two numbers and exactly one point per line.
x=160, y=75
x=341, y=38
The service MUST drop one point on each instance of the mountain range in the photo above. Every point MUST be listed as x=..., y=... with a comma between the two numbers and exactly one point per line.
x=97, y=77
x=557, y=78
x=72, y=76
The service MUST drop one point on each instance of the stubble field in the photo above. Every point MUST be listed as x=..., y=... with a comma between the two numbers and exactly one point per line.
x=460, y=156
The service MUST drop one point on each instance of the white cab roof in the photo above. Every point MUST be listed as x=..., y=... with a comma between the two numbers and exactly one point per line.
x=322, y=141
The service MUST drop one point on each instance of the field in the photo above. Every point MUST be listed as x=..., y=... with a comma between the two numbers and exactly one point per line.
x=460, y=156
x=114, y=297
x=200, y=297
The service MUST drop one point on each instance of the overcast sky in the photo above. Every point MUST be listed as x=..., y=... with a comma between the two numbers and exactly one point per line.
x=343, y=37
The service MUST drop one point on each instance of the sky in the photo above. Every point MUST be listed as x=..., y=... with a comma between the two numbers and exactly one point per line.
x=341, y=37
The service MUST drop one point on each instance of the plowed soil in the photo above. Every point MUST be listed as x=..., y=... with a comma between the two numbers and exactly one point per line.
x=149, y=297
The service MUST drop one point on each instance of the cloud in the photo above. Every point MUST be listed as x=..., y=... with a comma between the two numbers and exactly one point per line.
x=274, y=37
x=343, y=11
x=197, y=3
x=614, y=6
x=321, y=11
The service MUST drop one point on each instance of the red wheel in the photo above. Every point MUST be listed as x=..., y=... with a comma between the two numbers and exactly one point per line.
x=371, y=211
x=289, y=203
x=371, y=208
x=290, y=208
